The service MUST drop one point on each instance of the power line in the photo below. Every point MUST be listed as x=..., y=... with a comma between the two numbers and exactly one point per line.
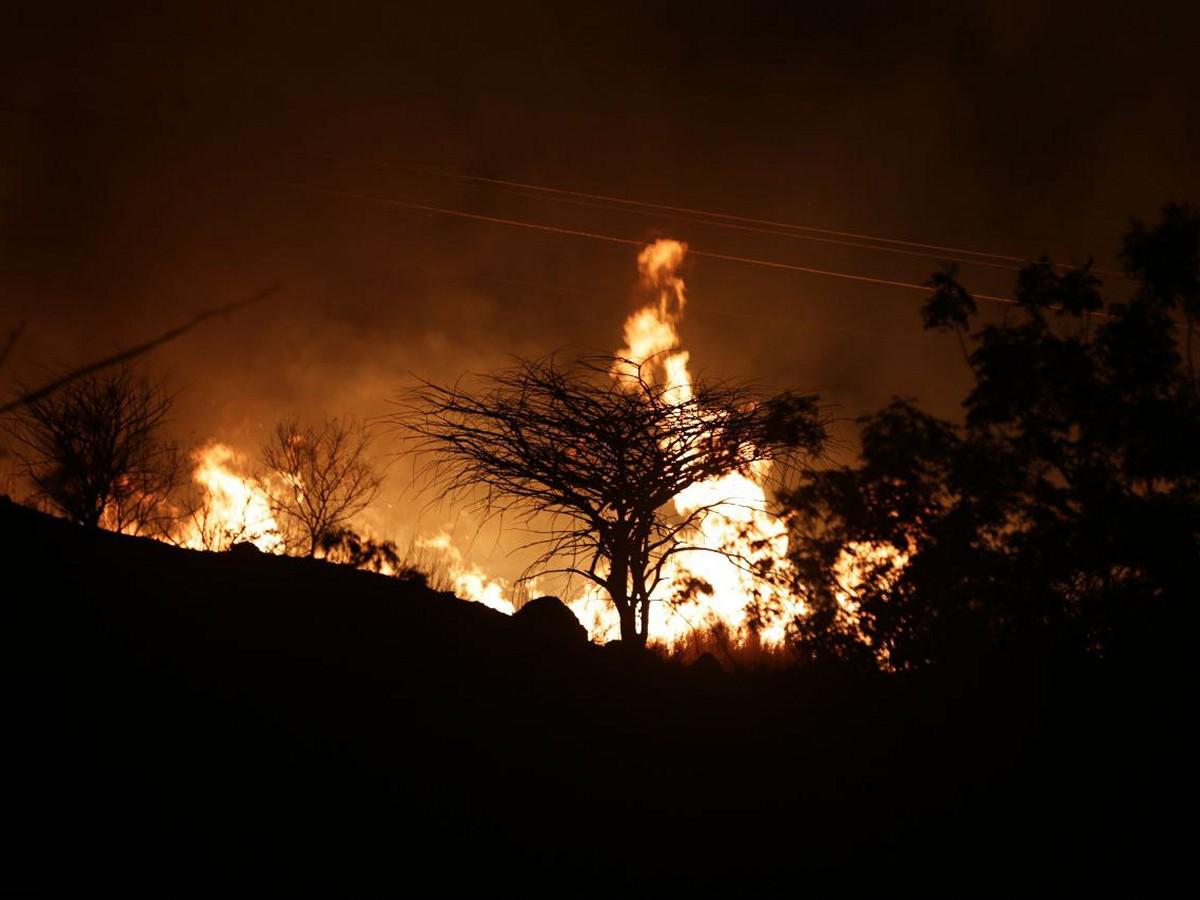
x=755, y=229
x=721, y=220
x=572, y=232
x=750, y=223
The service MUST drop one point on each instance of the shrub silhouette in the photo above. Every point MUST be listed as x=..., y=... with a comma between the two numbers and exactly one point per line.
x=93, y=451
x=318, y=480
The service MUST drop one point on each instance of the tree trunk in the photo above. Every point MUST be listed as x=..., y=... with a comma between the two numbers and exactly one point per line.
x=629, y=632
x=631, y=614
x=644, y=616
x=618, y=590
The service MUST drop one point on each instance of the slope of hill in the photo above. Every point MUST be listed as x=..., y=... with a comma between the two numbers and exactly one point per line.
x=177, y=720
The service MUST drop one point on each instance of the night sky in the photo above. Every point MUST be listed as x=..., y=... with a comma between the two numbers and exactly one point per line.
x=154, y=162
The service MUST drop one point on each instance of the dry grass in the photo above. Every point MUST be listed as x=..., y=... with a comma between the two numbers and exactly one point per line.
x=431, y=563
x=734, y=650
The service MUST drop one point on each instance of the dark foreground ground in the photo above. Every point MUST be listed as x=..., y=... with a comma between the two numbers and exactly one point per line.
x=177, y=721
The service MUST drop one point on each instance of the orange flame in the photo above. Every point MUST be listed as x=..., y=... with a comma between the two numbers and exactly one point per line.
x=233, y=507
x=467, y=580
x=651, y=339
x=714, y=583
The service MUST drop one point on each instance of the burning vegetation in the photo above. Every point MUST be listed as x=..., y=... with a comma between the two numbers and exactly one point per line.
x=667, y=483
x=634, y=480
x=662, y=507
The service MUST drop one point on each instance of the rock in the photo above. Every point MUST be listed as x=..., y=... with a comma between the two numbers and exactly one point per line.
x=546, y=620
x=244, y=549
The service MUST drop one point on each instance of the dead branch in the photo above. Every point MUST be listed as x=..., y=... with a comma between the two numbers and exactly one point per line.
x=131, y=353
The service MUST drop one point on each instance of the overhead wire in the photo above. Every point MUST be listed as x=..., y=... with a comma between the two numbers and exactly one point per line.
x=713, y=218
x=599, y=236
x=751, y=223
x=753, y=229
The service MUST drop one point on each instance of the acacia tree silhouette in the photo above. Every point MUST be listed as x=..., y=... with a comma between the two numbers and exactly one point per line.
x=1066, y=505
x=588, y=457
x=93, y=451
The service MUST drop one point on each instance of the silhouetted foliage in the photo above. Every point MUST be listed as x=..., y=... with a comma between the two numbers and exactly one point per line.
x=1166, y=261
x=93, y=451
x=589, y=457
x=1166, y=258
x=1065, y=505
x=347, y=547
x=950, y=307
x=318, y=479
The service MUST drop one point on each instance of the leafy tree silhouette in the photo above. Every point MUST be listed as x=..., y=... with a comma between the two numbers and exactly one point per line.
x=1066, y=504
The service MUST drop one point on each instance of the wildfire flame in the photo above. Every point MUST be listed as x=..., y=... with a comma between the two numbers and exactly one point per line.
x=714, y=583
x=233, y=507
x=651, y=338
x=467, y=580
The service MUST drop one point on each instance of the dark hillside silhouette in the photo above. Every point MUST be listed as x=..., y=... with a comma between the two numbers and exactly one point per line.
x=177, y=720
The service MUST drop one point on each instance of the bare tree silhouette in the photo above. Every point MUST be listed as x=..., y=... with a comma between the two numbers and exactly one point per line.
x=588, y=457
x=318, y=479
x=93, y=451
